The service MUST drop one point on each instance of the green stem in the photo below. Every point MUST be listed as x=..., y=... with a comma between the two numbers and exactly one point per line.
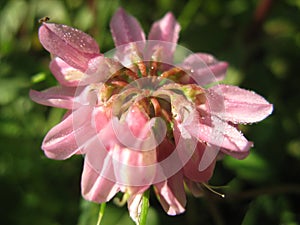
x=101, y=212
x=145, y=208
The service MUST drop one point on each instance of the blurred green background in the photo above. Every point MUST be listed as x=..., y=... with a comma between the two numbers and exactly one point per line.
x=260, y=40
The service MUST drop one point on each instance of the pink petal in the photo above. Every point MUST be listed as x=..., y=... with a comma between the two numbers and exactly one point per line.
x=125, y=28
x=164, y=150
x=191, y=168
x=240, y=106
x=99, y=158
x=167, y=29
x=106, y=161
x=219, y=133
x=138, y=132
x=194, y=188
x=95, y=187
x=75, y=47
x=137, y=120
x=135, y=206
x=172, y=195
x=101, y=118
x=64, y=73
x=203, y=69
x=61, y=97
x=165, y=32
x=99, y=69
x=130, y=167
x=69, y=136
x=198, y=159
x=238, y=155
x=134, y=167
x=129, y=38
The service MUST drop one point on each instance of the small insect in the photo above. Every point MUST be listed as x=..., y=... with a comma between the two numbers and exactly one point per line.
x=44, y=19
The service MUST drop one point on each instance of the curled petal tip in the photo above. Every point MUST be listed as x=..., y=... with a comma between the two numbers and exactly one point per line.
x=74, y=46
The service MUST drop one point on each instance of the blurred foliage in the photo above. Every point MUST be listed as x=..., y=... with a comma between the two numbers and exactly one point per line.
x=262, y=46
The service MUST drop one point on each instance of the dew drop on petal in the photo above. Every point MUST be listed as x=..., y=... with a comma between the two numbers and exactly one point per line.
x=76, y=38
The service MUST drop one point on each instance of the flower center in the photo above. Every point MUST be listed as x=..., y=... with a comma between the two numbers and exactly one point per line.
x=154, y=87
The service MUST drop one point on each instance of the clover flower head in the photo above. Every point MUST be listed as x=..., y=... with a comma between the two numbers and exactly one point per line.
x=143, y=115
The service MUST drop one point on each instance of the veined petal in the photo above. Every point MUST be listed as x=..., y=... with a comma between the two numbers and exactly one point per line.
x=75, y=47
x=240, y=106
x=172, y=195
x=61, y=97
x=95, y=187
x=125, y=28
x=219, y=133
x=203, y=69
x=69, y=136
